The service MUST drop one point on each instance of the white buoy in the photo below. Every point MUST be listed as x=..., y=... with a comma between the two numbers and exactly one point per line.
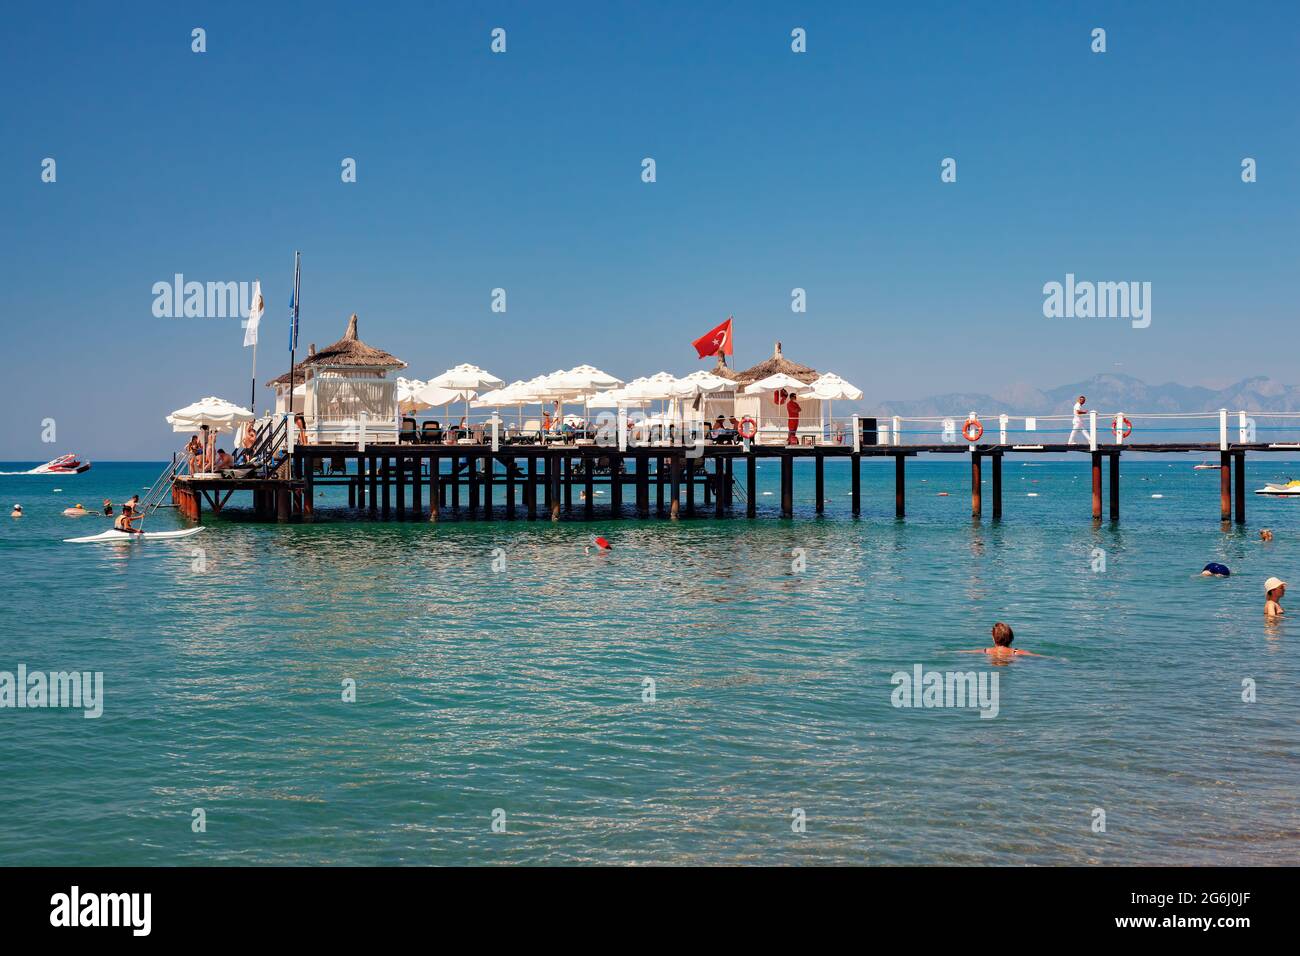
x=1032, y=494
x=1157, y=496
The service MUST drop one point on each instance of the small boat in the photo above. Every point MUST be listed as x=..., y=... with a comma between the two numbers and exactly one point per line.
x=114, y=535
x=1288, y=490
x=63, y=465
x=1205, y=466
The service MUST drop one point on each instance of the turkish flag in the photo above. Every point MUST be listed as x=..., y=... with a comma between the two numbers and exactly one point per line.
x=716, y=342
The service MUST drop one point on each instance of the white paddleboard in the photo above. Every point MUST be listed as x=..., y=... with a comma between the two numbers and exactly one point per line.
x=112, y=534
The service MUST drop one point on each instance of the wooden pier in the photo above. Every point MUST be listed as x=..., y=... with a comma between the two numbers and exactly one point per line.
x=425, y=482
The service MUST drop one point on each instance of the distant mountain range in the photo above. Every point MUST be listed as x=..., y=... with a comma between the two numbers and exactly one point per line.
x=1107, y=392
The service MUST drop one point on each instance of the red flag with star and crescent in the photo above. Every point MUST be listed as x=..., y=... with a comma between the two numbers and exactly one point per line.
x=717, y=342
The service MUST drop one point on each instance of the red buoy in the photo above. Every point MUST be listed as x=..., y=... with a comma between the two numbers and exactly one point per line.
x=604, y=545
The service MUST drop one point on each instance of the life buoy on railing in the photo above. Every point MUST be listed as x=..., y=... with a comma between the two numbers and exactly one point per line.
x=748, y=428
x=1128, y=426
x=972, y=431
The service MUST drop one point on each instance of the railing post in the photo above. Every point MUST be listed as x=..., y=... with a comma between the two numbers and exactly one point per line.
x=857, y=436
x=361, y=433
x=496, y=436
x=1223, y=429
x=622, y=429
x=1242, y=435
x=897, y=428
x=1092, y=445
x=1119, y=428
x=1002, y=428
x=289, y=436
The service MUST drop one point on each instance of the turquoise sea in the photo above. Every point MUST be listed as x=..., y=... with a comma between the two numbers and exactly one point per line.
x=224, y=659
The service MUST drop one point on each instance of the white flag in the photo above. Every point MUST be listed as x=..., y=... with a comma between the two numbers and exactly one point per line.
x=254, y=315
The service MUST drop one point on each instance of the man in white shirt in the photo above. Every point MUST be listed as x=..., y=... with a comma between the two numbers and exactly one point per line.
x=1078, y=424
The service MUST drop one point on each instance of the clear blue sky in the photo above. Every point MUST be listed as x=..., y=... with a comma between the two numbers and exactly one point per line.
x=522, y=170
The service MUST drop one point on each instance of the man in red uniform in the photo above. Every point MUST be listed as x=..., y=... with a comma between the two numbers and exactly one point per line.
x=792, y=409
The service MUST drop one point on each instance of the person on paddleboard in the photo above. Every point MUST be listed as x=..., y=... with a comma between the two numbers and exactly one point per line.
x=125, y=521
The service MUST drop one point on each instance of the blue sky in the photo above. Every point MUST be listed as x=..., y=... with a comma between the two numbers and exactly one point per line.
x=522, y=171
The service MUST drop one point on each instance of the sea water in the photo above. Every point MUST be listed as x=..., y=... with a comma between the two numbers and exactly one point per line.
x=711, y=691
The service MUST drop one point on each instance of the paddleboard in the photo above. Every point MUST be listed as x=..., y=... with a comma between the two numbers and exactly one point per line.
x=112, y=534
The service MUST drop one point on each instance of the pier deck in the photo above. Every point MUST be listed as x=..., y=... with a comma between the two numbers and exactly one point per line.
x=423, y=482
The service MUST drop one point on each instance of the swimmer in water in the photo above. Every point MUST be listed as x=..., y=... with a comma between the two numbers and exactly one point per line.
x=1265, y=534
x=108, y=508
x=17, y=512
x=1274, y=588
x=1216, y=570
x=75, y=512
x=1001, y=649
x=602, y=545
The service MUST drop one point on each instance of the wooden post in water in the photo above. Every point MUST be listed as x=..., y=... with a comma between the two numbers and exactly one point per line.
x=690, y=487
x=589, y=486
x=976, y=491
x=855, y=477
x=512, y=464
x=675, y=467
x=386, y=477
x=471, y=473
x=1240, y=476
x=455, y=482
x=417, y=486
x=309, y=490
x=530, y=490
x=643, y=486
x=996, y=459
x=568, y=482
x=555, y=487
x=1225, y=486
x=1114, y=486
x=1096, y=485
x=787, y=485
x=435, y=487
x=659, y=485
x=401, y=486
x=719, y=492
x=819, y=464
x=900, y=495
x=489, y=475
x=615, y=485
x=751, y=485
x=372, y=469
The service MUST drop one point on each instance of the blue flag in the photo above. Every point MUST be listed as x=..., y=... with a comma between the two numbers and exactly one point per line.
x=293, y=307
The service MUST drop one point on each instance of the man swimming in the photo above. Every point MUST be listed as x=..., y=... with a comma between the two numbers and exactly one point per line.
x=1216, y=570
x=1001, y=649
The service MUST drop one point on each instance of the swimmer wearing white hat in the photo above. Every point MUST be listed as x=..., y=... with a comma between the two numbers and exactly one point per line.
x=1274, y=588
x=17, y=512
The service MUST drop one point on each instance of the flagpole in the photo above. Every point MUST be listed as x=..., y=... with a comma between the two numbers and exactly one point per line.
x=293, y=336
x=253, y=397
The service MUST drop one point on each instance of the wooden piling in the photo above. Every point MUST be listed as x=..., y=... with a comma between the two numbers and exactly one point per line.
x=900, y=497
x=435, y=487
x=675, y=467
x=976, y=488
x=1240, y=476
x=820, y=467
x=401, y=486
x=530, y=490
x=996, y=460
x=751, y=485
x=690, y=487
x=855, y=478
x=659, y=485
x=1114, y=486
x=372, y=468
x=489, y=475
x=1225, y=486
x=1096, y=485
x=643, y=486
x=787, y=485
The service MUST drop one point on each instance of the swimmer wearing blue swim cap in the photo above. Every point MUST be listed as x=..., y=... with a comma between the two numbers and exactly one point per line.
x=1216, y=570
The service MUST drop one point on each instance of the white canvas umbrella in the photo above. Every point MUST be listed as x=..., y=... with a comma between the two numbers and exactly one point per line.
x=775, y=383
x=468, y=379
x=431, y=396
x=215, y=413
x=830, y=388
x=407, y=395
x=210, y=415
x=702, y=381
x=660, y=386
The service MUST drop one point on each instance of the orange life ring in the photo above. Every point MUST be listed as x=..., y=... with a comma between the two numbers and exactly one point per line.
x=1128, y=426
x=748, y=428
x=972, y=426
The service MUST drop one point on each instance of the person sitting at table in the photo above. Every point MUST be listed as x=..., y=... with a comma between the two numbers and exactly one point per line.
x=224, y=461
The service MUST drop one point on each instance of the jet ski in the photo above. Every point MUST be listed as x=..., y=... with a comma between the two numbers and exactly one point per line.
x=63, y=465
x=1288, y=490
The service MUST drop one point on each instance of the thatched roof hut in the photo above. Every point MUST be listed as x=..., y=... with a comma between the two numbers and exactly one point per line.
x=777, y=363
x=347, y=352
